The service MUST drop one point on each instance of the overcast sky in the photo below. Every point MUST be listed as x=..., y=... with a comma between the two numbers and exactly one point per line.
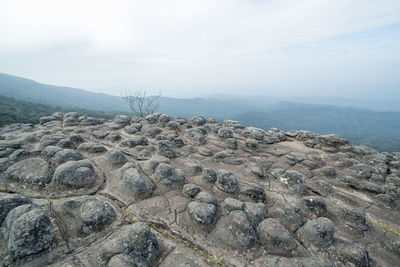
x=194, y=48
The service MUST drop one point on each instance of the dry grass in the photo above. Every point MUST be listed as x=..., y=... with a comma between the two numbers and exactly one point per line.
x=212, y=258
x=385, y=226
x=377, y=223
x=340, y=204
x=216, y=259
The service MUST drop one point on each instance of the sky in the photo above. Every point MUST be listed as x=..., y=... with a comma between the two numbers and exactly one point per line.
x=187, y=48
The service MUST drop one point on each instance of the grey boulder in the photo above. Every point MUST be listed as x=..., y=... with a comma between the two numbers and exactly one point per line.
x=225, y=133
x=95, y=214
x=294, y=180
x=168, y=175
x=27, y=230
x=122, y=119
x=275, y=237
x=256, y=212
x=234, y=231
x=135, y=141
x=115, y=157
x=74, y=174
x=166, y=148
x=202, y=213
x=209, y=174
x=136, y=182
x=31, y=170
x=292, y=217
x=314, y=205
x=197, y=136
x=318, y=232
x=137, y=243
x=227, y=182
x=10, y=202
x=65, y=155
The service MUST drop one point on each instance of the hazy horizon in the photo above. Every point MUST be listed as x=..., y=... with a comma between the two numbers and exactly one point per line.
x=285, y=48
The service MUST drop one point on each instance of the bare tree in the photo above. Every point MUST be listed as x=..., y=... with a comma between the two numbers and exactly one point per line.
x=140, y=103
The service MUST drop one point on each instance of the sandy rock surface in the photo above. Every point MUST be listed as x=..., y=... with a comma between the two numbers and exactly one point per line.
x=162, y=191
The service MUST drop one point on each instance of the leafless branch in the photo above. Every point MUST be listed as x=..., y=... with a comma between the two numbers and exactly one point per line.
x=141, y=104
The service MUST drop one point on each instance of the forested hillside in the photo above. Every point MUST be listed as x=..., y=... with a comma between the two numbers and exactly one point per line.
x=12, y=110
x=29, y=90
x=378, y=129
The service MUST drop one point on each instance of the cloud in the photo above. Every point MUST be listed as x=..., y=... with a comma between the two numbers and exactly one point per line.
x=187, y=44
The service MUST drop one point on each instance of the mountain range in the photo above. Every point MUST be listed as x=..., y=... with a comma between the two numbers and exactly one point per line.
x=375, y=123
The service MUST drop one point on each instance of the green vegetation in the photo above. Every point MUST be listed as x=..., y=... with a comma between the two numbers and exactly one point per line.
x=29, y=90
x=12, y=110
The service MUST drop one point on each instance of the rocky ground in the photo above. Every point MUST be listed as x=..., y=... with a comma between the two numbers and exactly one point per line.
x=82, y=191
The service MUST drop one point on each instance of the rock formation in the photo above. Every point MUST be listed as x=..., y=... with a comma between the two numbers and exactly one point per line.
x=162, y=191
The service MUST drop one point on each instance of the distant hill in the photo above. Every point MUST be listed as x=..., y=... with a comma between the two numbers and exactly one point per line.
x=29, y=90
x=378, y=129
x=361, y=103
x=12, y=111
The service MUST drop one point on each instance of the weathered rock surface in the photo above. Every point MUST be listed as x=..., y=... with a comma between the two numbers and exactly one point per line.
x=163, y=191
x=136, y=183
x=10, y=202
x=168, y=175
x=136, y=141
x=27, y=230
x=276, y=238
x=234, y=231
x=32, y=170
x=115, y=157
x=74, y=174
x=134, y=245
x=227, y=181
x=209, y=175
x=96, y=213
x=318, y=232
x=65, y=155
x=203, y=213
x=166, y=148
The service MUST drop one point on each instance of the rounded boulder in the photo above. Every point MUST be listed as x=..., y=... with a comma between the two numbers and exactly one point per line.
x=96, y=213
x=31, y=170
x=203, y=213
x=275, y=237
x=136, y=182
x=227, y=182
x=318, y=232
x=74, y=174
x=168, y=175
x=27, y=230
